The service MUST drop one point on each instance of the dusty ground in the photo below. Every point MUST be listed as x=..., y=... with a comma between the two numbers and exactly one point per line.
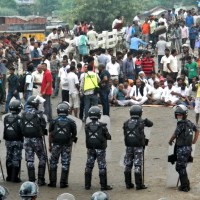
x=155, y=163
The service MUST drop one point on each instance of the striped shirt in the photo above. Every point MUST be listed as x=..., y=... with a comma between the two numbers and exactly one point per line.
x=147, y=66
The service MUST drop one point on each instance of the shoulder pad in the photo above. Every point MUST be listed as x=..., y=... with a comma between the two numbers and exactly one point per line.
x=103, y=124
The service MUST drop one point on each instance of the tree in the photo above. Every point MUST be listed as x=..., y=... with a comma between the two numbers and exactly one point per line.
x=8, y=4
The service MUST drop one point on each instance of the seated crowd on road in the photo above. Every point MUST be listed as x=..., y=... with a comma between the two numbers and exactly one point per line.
x=157, y=65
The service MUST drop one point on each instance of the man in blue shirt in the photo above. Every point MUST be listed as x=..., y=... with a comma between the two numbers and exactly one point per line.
x=128, y=67
x=189, y=20
x=134, y=44
x=193, y=34
x=12, y=88
x=103, y=58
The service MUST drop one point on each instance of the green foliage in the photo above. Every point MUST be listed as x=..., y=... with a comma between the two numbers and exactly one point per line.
x=7, y=4
x=8, y=12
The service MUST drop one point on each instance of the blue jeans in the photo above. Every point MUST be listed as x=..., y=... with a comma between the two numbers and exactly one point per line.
x=105, y=101
x=89, y=101
x=27, y=94
x=9, y=97
x=55, y=84
x=47, y=107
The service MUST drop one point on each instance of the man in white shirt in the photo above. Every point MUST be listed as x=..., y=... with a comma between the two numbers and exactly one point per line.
x=154, y=95
x=92, y=38
x=138, y=93
x=165, y=63
x=63, y=80
x=53, y=36
x=28, y=88
x=160, y=49
x=163, y=19
x=73, y=82
x=113, y=68
x=173, y=69
x=37, y=79
x=168, y=96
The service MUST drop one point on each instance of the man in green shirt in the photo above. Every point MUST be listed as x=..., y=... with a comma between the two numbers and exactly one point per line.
x=192, y=68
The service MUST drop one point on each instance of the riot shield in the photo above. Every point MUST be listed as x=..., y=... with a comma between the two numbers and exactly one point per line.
x=172, y=174
x=66, y=196
x=105, y=119
x=78, y=123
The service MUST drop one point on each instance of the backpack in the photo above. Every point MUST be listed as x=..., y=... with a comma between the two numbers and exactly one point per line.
x=22, y=82
x=31, y=125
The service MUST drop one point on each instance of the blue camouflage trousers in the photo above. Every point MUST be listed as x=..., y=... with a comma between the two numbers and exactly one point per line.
x=34, y=146
x=14, y=153
x=92, y=155
x=65, y=152
x=183, y=153
x=133, y=155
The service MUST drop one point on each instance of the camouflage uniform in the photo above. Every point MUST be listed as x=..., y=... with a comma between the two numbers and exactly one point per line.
x=14, y=153
x=184, y=138
x=32, y=146
x=133, y=155
x=33, y=143
x=183, y=152
x=62, y=135
x=96, y=142
x=100, y=155
x=65, y=152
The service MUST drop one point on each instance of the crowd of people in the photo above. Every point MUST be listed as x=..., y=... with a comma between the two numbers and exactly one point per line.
x=102, y=76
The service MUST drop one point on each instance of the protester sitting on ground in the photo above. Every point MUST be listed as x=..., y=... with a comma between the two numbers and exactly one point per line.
x=168, y=97
x=113, y=84
x=127, y=88
x=119, y=96
x=182, y=93
x=193, y=90
x=143, y=78
x=138, y=93
x=154, y=95
x=152, y=79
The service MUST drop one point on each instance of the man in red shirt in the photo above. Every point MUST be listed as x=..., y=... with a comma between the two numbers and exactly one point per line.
x=148, y=64
x=46, y=91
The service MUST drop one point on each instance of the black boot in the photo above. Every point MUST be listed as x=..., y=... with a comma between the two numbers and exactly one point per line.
x=64, y=178
x=138, y=182
x=9, y=171
x=31, y=174
x=128, y=181
x=184, y=183
x=103, y=181
x=41, y=175
x=53, y=178
x=88, y=178
x=15, y=175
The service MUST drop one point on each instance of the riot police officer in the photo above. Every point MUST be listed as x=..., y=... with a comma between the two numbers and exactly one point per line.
x=3, y=193
x=100, y=196
x=96, y=142
x=14, y=141
x=184, y=140
x=134, y=138
x=28, y=191
x=62, y=134
x=34, y=128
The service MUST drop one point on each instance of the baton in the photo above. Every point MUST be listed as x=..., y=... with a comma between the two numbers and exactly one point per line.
x=45, y=148
x=2, y=170
x=143, y=168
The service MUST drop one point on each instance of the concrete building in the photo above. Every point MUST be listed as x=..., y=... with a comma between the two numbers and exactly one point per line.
x=28, y=2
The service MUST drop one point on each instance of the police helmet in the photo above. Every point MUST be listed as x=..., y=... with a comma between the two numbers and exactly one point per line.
x=3, y=193
x=66, y=196
x=63, y=108
x=94, y=112
x=100, y=196
x=15, y=106
x=136, y=111
x=181, y=110
x=33, y=102
x=29, y=189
